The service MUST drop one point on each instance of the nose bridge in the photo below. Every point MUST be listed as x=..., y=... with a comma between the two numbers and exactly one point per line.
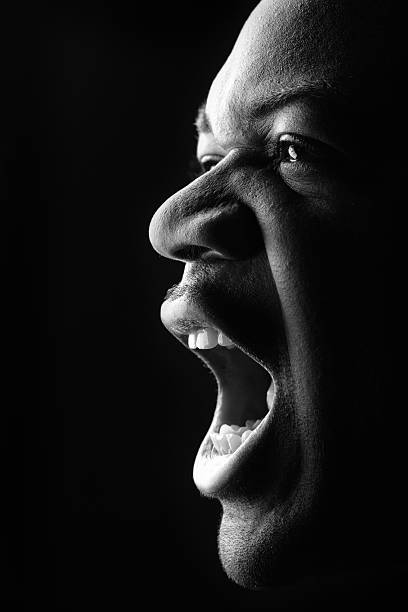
x=205, y=218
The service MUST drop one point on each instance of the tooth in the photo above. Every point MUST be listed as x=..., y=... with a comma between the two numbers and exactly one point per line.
x=214, y=439
x=206, y=338
x=220, y=442
x=234, y=441
x=236, y=429
x=257, y=423
x=214, y=453
x=241, y=430
x=227, y=429
x=192, y=340
x=223, y=443
x=246, y=434
x=223, y=340
x=270, y=396
x=250, y=423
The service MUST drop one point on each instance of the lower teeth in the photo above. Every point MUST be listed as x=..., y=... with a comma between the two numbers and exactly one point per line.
x=230, y=437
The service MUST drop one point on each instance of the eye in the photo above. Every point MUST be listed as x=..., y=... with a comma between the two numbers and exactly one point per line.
x=297, y=150
x=292, y=153
x=198, y=167
x=208, y=162
x=307, y=166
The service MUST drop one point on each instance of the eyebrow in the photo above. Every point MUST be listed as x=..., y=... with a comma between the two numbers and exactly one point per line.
x=318, y=90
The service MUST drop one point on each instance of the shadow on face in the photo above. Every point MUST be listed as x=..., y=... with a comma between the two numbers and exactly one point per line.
x=287, y=238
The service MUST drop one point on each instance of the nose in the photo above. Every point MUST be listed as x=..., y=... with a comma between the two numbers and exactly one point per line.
x=205, y=220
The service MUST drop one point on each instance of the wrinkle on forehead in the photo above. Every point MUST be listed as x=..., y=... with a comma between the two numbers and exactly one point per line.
x=288, y=44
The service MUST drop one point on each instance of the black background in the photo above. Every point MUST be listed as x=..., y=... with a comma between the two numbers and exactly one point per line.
x=103, y=411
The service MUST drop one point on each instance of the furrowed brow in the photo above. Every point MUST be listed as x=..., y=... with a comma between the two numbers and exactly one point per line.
x=322, y=91
x=273, y=101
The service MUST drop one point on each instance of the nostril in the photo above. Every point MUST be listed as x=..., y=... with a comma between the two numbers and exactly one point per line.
x=193, y=253
x=189, y=252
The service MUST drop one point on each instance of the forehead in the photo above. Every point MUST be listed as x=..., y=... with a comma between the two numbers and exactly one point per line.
x=288, y=47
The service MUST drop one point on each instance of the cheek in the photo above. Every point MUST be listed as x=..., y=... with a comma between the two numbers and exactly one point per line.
x=318, y=248
x=312, y=186
x=321, y=263
x=331, y=193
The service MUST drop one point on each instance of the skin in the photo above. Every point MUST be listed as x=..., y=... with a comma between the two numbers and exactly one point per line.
x=295, y=270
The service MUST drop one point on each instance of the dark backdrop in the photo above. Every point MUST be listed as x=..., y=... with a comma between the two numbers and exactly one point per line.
x=103, y=411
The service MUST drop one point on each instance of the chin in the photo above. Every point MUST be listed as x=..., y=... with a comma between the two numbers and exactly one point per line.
x=261, y=456
x=252, y=546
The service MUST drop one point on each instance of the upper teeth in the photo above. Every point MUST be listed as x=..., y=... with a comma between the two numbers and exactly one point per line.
x=208, y=338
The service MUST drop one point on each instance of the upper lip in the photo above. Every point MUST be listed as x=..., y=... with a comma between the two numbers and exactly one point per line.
x=179, y=315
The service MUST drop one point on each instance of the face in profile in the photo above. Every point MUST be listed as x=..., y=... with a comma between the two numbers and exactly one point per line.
x=283, y=237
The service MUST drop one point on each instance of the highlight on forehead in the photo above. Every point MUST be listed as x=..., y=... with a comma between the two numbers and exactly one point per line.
x=202, y=122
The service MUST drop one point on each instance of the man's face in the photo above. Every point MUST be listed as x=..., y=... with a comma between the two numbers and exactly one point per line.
x=279, y=236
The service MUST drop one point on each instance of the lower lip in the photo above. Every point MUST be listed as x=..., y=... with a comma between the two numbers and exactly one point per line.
x=213, y=472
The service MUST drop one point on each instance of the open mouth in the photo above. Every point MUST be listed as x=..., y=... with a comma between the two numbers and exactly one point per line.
x=247, y=392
